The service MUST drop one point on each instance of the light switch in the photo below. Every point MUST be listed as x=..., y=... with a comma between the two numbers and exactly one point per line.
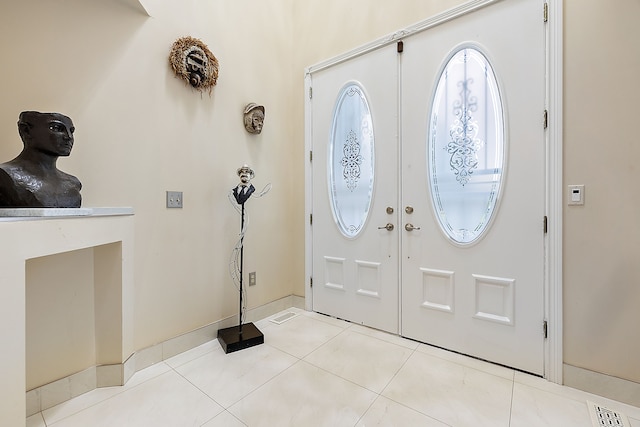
x=576, y=195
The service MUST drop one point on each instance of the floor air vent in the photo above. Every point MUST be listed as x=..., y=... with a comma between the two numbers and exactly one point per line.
x=283, y=318
x=605, y=417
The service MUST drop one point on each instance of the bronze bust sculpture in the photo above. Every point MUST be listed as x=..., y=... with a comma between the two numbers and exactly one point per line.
x=32, y=179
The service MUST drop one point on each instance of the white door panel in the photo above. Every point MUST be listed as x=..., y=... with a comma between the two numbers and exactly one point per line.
x=484, y=298
x=355, y=271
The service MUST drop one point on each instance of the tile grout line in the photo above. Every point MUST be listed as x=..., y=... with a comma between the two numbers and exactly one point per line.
x=513, y=388
x=414, y=351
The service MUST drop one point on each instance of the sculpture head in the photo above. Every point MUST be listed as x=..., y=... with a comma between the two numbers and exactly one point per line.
x=49, y=133
x=253, y=118
x=32, y=178
x=246, y=174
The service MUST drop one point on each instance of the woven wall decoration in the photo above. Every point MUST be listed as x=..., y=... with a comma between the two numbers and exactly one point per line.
x=192, y=61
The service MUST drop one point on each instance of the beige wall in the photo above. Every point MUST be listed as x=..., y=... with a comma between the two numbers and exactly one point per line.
x=55, y=291
x=141, y=132
x=601, y=151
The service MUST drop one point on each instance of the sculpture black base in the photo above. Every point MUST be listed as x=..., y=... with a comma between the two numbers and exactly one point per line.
x=231, y=340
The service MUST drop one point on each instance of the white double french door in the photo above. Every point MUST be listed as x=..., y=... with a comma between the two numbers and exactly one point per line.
x=428, y=194
x=355, y=190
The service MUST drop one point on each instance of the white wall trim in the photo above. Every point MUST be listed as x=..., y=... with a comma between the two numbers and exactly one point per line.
x=308, y=195
x=553, y=279
x=614, y=388
x=435, y=20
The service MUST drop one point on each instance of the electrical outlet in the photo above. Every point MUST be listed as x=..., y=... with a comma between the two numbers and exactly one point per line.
x=252, y=278
x=174, y=199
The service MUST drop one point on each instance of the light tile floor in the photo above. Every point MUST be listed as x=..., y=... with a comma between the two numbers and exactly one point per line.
x=314, y=370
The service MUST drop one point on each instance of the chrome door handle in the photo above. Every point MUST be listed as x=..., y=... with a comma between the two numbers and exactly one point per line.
x=410, y=227
x=388, y=227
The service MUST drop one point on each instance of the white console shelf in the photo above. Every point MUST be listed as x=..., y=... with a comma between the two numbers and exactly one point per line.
x=31, y=233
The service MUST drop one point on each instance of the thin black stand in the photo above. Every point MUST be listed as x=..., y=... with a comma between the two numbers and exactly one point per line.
x=242, y=336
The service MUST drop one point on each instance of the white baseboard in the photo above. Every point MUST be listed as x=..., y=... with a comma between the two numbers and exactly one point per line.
x=624, y=391
x=67, y=388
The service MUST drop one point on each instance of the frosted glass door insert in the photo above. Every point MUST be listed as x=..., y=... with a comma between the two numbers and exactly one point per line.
x=351, y=160
x=466, y=145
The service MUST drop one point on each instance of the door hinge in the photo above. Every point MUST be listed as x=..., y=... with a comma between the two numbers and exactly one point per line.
x=545, y=329
x=311, y=282
x=545, y=119
x=545, y=12
x=545, y=224
x=310, y=219
x=400, y=46
x=310, y=92
x=311, y=156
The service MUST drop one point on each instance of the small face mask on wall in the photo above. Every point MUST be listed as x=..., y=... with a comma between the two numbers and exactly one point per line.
x=253, y=118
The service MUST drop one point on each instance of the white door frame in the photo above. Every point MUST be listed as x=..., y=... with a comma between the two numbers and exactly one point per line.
x=554, y=186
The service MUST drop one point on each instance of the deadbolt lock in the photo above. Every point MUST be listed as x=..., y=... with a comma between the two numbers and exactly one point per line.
x=389, y=210
x=409, y=209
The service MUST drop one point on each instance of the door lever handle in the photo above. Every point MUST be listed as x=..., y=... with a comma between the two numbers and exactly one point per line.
x=388, y=227
x=411, y=227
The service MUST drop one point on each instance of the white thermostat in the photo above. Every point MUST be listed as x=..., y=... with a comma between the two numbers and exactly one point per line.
x=576, y=195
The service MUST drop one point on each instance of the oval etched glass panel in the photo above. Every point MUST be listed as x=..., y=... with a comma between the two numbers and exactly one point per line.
x=466, y=146
x=351, y=160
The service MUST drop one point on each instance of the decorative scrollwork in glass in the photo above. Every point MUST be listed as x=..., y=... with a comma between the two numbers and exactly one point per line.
x=351, y=160
x=464, y=144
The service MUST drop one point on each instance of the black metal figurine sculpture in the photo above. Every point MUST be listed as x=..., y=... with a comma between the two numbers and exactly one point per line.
x=245, y=189
x=32, y=179
x=244, y=335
